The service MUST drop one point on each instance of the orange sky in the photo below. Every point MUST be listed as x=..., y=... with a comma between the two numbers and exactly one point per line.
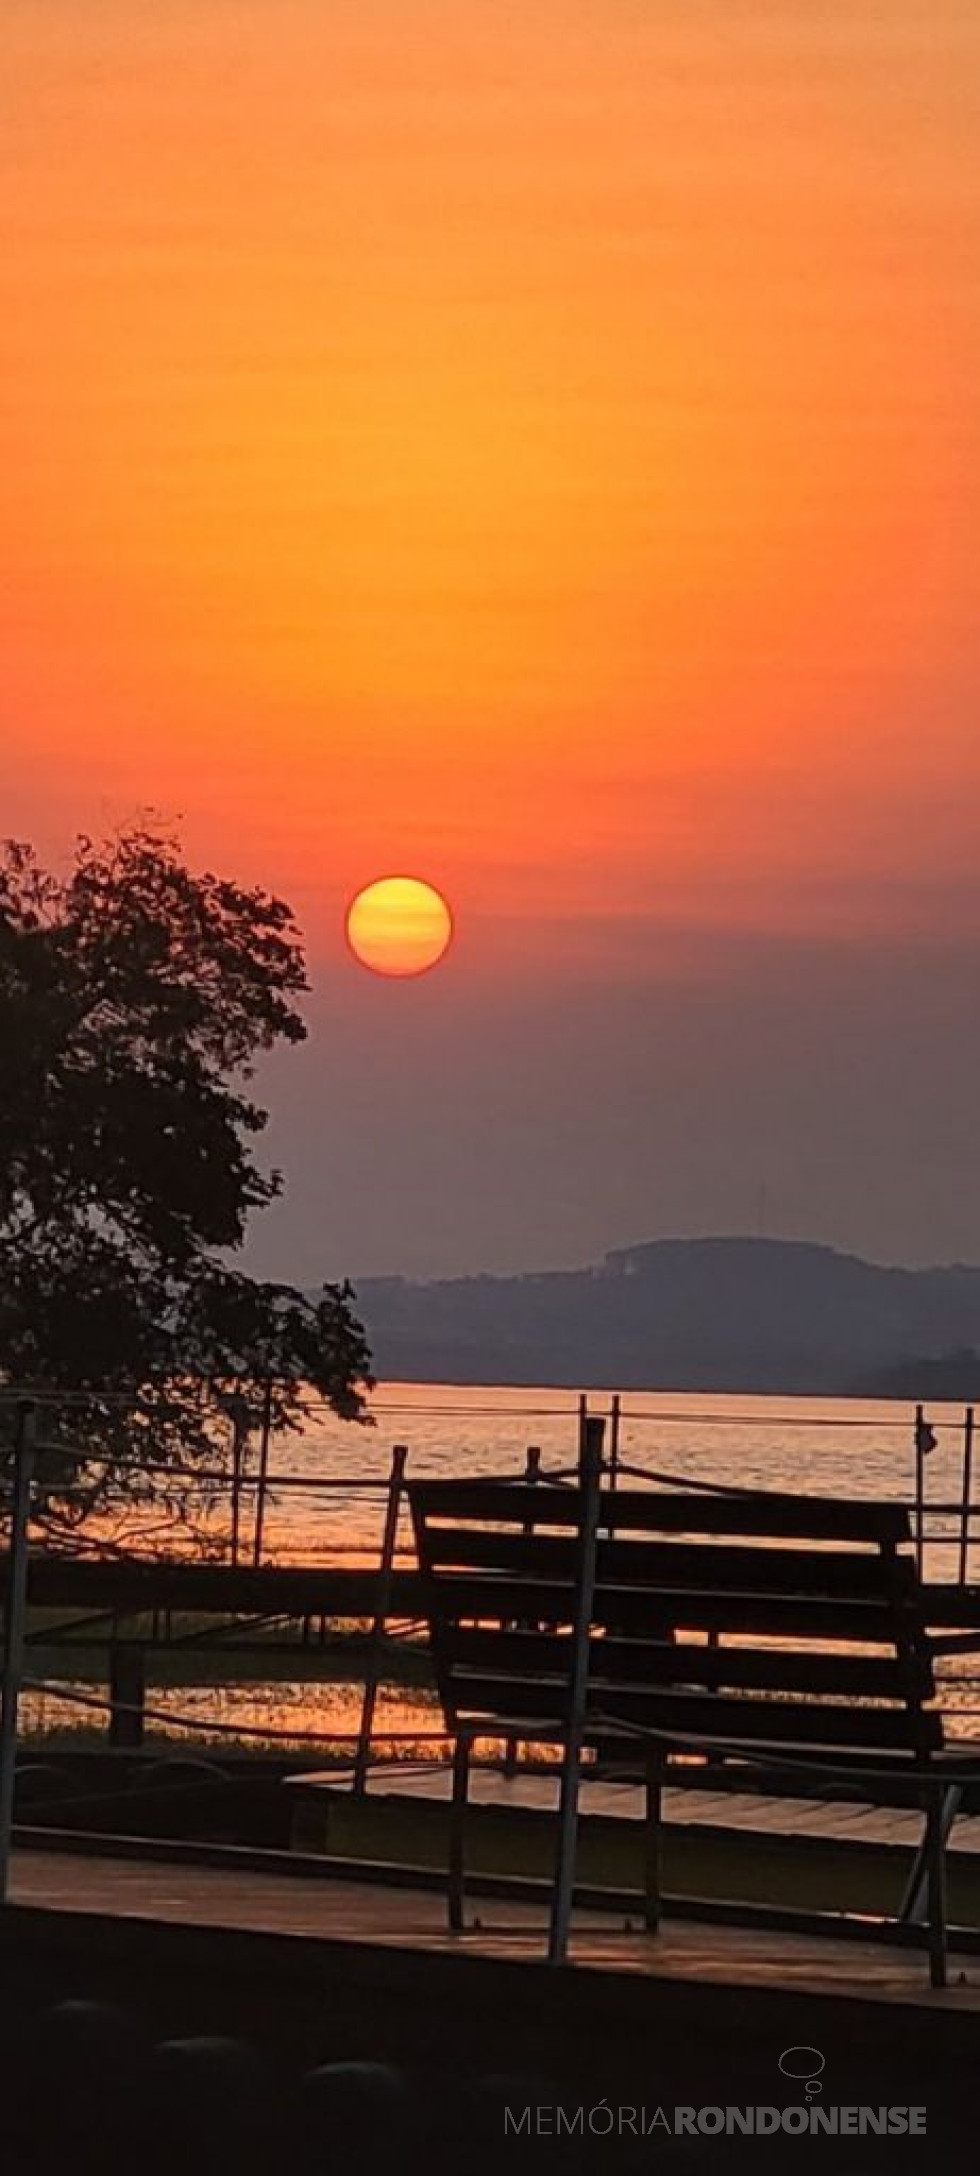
x=529, y=445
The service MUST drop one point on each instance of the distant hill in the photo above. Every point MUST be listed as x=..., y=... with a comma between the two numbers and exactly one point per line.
x=953, y=1376
x=700, y=1314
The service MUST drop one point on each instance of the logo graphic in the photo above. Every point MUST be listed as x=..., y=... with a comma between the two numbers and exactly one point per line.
x=804, y=2063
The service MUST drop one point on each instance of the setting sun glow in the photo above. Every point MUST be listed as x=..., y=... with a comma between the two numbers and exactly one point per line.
x=551, y=427
x=399, y=926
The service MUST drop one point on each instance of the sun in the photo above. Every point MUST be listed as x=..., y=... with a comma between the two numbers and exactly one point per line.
x=399, y=925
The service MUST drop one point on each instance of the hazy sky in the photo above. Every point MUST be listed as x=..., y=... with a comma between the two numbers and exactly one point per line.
x=532, y=445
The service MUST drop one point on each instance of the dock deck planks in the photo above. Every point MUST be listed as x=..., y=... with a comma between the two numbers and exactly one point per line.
x=414, y=1920
x=841, y=1819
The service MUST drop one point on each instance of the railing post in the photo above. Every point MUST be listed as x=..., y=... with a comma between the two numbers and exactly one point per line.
x=920, y=1483
x=966, y=1504
x=590, y=1482
x=532, y=1473
x=239, y=1440
x=14, y=1621
x=127, y=1693
x=615, y=1412
x=263, y=1478
x=372, y=1673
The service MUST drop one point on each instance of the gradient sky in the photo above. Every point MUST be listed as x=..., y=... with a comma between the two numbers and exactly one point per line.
x=533, y=446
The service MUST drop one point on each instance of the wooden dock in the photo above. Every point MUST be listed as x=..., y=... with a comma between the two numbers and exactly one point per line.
x=762, y=1849
x=387, y=1917
x=350, y=1970
x=128, y=1586
x=132, y=1585
x=400, y=1784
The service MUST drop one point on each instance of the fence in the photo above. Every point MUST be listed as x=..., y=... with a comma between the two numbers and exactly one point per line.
x=325, y=1496
x=263, y=1512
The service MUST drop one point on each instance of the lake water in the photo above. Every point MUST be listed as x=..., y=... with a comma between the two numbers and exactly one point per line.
x=327, y=1495
x=834, y=1447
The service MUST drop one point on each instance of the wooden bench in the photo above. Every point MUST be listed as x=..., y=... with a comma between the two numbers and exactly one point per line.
x=769, y=1631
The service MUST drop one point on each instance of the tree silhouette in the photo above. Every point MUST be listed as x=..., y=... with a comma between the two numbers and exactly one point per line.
x=135, y=997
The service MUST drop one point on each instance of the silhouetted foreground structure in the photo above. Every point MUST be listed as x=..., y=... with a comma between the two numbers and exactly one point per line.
x=240, y=1999
x=774, y=1633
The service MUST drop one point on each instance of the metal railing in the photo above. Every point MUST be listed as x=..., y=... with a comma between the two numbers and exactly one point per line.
x=944, y=1520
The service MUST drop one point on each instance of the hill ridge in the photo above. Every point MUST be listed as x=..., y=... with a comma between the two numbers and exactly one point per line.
x=718, y=1312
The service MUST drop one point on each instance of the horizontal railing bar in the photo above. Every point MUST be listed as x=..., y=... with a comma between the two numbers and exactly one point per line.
x=135, y=1399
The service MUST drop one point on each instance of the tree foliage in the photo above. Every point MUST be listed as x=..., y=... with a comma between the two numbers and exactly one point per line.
x=135, y=999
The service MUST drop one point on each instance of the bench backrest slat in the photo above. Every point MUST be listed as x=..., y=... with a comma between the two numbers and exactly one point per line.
x=676, y=1712
x=477, y=1598
x=756, y=1514
x=503, y=1651
x=856, y=1574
